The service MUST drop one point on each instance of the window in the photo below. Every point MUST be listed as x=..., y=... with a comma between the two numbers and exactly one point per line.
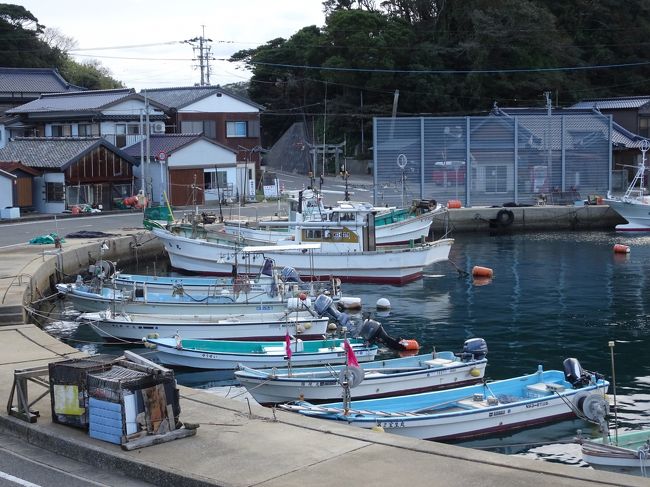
x=61, y=130
x=215, y=182
x=644, y=126
x=496, y=179
x=133, y=129
x=54, y=192
x=88, y=129
x=236, y=129
x=205, y=127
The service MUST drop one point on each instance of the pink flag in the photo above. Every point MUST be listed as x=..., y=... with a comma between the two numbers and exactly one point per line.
x=287, y=345
x=352, y=358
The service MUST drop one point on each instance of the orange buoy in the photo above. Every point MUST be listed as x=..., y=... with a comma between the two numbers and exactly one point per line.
x=302, y=296
x=453, y=204
x=482, y=281
x=409, y=344
x=478, y=271
x=621, y=249
x=76, y=210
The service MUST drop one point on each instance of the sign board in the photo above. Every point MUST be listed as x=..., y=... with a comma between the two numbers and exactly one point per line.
x=272, y=190
x=162, y=155
x=251, y=189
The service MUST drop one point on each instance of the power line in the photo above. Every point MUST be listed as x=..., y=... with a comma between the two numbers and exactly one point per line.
x=454, y=71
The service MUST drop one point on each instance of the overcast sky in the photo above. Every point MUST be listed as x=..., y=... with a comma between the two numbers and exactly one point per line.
x=231, y=24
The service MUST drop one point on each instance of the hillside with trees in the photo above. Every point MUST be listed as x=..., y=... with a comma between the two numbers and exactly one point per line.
x=446, y=58
x=25, y=43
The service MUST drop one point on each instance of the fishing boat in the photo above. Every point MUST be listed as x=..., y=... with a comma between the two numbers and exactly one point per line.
x=625, y=451
x=270, y=292
x=634, y=205
x=343, y=246
x=383, y=378
x=392, y=225
x=255, y=326
x=472, y=411
x=219, y=354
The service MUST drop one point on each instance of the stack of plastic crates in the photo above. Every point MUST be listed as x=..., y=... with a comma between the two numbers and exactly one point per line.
x=125, y=401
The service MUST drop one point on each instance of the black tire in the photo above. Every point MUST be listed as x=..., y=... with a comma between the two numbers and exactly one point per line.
x=505, y=218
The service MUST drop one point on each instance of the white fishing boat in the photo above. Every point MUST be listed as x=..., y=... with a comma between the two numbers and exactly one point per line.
x=465, y=412
x=382, y=378
x=627, y=451
x=392, y=225
x=219, y=354
x=634, y=205
x=270, y=292
x=343, y=247
x=255, y=326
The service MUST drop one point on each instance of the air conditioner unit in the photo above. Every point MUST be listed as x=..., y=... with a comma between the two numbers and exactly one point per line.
x=159, y=128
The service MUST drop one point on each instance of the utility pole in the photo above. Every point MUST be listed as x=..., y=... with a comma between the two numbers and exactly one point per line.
x=202, y=46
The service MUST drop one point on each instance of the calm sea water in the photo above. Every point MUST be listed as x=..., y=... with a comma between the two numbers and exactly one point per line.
x=553, y=296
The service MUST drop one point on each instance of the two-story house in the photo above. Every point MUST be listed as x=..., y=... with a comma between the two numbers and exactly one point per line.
x=229, y=119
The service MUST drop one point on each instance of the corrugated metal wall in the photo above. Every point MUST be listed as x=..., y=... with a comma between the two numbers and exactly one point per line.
x=485, y=161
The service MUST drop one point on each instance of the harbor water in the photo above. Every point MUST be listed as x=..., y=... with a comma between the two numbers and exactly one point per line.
x=552, y=296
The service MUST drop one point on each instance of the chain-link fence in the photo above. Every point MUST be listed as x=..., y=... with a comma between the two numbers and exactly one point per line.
x=485, y=161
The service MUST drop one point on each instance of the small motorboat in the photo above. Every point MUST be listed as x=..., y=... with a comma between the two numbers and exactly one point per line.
x=382, y=378
x=627, y=451
x=472, y=411
x=221, y=354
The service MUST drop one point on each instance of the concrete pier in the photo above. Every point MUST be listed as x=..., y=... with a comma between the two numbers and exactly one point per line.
x=237, y=444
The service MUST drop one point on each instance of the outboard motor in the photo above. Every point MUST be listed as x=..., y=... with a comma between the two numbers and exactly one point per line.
x=474, y=349
x=575, y=374
x=324, y=307
x=289, y=274
x=373, y=332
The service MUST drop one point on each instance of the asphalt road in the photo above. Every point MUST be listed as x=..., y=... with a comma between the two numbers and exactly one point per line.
x=21, y=232
x=25, y=465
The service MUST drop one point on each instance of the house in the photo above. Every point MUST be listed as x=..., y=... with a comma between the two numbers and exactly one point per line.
x=73, y=171
x=115, y=115
x=188, y=168
x=220, y=115
x=21, y=85
x=22, y=196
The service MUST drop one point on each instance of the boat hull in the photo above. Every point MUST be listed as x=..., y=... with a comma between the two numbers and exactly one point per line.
x=198, y=359
x=636, y=213
x=626, y=455
x=457, y=414
x=316, y=389
x=306, y=328
x=382, y=266
x=89, y=303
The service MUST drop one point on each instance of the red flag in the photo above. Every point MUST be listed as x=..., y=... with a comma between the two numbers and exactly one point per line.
x=287, y=345
x=352, y=358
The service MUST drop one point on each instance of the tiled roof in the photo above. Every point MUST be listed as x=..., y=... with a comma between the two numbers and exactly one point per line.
x=182, y=96
x=613, y=103
x=51, y=152
x=79, y=101
x=621, y=137
x=12, y=166
x=34, y=81
x=169, y=143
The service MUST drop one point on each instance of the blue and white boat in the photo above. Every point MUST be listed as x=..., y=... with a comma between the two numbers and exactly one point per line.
x=381, y=378
x=220, y=354
x=466, y=412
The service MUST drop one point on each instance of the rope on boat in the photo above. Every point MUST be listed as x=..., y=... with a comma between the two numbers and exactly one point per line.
x=461, y=272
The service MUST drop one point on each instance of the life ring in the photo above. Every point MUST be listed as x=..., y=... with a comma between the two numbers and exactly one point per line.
x=505, y=218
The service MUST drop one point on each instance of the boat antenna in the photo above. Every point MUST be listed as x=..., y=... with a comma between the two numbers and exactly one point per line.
x=611, y=352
